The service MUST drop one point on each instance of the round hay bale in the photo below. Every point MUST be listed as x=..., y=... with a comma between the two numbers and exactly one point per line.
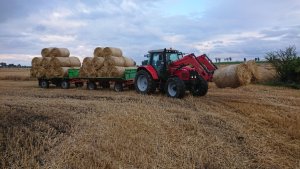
x=62, y=71
x=98, y=62
x=104, y=71
x=116, y=71
x=41, y=72
x=98, y=52
x=59, y=52
x=56, y=62
x=46, y=62
x=232, y=76
x=114, y=61
x=36, y=62
x=33, y=72
x=253, y=69
x=266, y=74
x=111, y=51
x=46, y=52
x=128, y=62
x=86, y=64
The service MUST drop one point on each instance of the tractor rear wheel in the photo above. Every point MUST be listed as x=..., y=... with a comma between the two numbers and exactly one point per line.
x=175, y=87
x=144, y=82
x=200, y=87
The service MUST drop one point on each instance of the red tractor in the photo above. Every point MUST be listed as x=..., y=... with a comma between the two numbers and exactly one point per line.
x=171, y=72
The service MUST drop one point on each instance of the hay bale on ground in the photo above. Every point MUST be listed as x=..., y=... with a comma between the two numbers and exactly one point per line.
x=46, y=52
x=98, y=62
x=98, y=52
x=232, y=76
x=114, y=61
x=57, y=62
x=128, y=62
x=59, y=52
x=253, y=69
x=111, y=51
x=266, y=73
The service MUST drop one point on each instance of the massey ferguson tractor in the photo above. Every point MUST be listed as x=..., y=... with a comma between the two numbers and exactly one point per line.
x=171, y=72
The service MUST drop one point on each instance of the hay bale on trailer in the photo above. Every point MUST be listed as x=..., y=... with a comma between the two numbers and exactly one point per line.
x=128, y=62
x=232, y=76
x=36, y=62
x=46, y=52
x=59, y=72
x=57, y=62
x=98, y=62
x=111, y=51
x=114, y=61
x=86, y=64
x=59, y=52
x=98, y=52
x=45, y=63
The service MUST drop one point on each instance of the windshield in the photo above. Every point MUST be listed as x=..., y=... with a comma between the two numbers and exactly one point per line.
x=174, y=56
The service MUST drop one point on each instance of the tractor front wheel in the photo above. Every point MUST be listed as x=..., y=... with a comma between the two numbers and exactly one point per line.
x=175, y=88
x=200, y=87
x=144, y=82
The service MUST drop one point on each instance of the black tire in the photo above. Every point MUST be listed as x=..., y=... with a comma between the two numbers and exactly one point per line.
x=118, y=87
x=91, y=86
x=175, y=88
x=144, y=83
x=79, y=84
x=105, y=84
x=200, y=87
x=65, y=84
x=44, y=84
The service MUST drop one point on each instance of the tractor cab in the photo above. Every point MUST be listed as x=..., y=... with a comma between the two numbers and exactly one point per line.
x=161, y=58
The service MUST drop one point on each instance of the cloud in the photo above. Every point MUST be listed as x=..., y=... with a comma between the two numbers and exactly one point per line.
x=222, y=28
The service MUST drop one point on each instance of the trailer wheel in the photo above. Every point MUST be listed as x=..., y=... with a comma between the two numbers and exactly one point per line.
x=65, y=84
x=200, y=87
x=118, y=87
x=91, y=86
x=79, y=84
x=175, y=87
x=44, y=84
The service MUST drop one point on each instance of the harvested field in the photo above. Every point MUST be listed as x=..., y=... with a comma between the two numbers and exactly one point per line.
x=252, y=126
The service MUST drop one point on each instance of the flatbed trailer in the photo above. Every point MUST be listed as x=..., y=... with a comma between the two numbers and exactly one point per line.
x=92, y=83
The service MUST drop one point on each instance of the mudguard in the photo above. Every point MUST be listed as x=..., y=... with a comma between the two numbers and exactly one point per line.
x=149, y=69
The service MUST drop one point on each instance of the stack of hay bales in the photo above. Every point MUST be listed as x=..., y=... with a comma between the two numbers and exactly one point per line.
x=54, y=63
x=107, y=62
x=236, y=75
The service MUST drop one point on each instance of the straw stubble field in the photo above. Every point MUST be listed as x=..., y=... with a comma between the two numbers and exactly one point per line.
x=249, y=127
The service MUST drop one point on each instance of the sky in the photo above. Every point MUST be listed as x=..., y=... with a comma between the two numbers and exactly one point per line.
x=219, y=28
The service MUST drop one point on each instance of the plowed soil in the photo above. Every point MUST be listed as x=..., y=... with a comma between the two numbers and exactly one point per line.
x=253, y=126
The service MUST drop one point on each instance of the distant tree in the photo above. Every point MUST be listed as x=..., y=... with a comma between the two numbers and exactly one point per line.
x=286, y=63
x=230, y=59
x=245, y=59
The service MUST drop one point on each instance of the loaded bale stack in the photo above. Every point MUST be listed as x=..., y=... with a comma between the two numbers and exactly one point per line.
x=54, y=63
x=236, y=75
x=107, y=62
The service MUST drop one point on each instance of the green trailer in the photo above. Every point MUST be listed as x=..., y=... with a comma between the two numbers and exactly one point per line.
x=92, y=83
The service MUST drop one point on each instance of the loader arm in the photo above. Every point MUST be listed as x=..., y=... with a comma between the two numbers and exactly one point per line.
x=195, y=63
